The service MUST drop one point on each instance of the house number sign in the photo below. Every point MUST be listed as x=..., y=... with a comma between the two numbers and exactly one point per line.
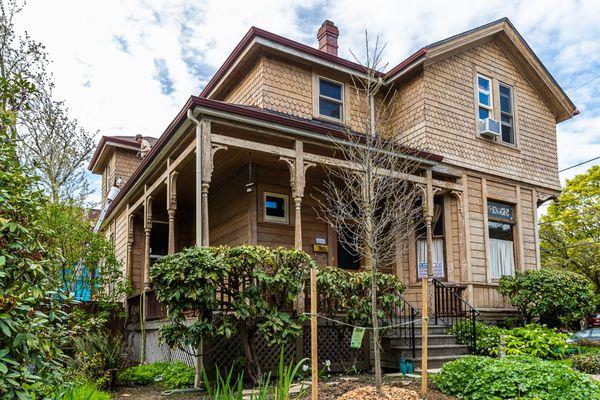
x=499, y=210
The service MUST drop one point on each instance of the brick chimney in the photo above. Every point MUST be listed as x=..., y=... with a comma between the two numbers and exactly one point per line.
x=327, y=35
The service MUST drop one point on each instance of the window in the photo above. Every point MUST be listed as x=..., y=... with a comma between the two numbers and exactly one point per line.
x=331, y=102
x=276, y=208
x=159, y=240
x=506, y=114
x=500, y=232
x=484, y=94
x=347, y=257
x=437, y=226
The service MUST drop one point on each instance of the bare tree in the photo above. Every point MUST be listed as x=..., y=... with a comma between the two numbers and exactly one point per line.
x=56, y=147
x=23, y=63
x=369, y=200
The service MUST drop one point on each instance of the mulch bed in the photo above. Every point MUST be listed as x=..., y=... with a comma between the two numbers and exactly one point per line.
x=331, y=389
x=336, y=387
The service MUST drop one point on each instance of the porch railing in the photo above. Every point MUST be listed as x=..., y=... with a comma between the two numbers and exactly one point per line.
x=403, y=317
x=450, y=309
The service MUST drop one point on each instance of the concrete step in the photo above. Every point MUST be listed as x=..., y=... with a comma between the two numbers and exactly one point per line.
x=432, y=340
x=436, y=362
x=437, y=350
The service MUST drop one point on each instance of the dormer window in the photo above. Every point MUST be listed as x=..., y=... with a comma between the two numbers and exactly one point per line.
x=331, y=99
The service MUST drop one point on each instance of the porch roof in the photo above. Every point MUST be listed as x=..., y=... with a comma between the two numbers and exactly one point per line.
x=325, y=130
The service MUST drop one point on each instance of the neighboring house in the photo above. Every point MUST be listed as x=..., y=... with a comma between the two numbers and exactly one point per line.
x=241, y=162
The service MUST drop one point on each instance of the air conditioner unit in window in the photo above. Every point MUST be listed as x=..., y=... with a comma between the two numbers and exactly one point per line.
x=489, y=128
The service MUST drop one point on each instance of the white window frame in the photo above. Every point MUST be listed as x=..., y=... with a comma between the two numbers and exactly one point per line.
x=513, y=226
x=340, y=102
x=490, y=108
x=286, y=208
x=512, y=113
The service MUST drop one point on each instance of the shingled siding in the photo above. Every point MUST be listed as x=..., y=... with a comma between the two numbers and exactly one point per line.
x=276, y=85
x=451, y=120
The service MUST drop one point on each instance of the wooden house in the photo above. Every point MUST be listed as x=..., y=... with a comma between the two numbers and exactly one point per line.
x=242, y=161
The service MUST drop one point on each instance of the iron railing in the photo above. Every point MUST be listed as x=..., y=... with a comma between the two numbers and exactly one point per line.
x=451, y=309
x=402, y=317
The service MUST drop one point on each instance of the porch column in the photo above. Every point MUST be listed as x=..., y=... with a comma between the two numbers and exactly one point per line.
x=461, y=236
x=130, y=239
x=147, y=231
x=425, y=281
x=172, y=208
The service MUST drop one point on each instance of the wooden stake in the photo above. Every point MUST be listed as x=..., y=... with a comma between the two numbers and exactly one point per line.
x=313, y=335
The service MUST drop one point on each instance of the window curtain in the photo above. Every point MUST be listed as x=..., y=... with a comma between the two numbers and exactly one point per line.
x=502, y=258
x=438, y=257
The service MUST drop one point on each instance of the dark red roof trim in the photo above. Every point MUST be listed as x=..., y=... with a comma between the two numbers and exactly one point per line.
x=102, y=142
x=194, y=101
x=254, y=32
x=412, y=58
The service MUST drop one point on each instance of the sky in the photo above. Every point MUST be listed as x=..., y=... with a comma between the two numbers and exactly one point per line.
x=127, y=67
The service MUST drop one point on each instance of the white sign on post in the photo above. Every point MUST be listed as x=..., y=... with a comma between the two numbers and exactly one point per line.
x=438, y=269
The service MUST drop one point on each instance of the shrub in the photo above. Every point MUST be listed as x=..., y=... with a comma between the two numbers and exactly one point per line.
x=98, y=357
x=174, y=375
x=534, y=340
x=258, y=283
x=514, y=377
x=488, y=336
x=558, y=298
x=588, y=363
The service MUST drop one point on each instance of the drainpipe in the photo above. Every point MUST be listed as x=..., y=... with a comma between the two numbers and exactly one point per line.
x=190, y=116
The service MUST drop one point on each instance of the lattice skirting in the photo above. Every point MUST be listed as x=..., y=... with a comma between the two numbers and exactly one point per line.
x=334, y=345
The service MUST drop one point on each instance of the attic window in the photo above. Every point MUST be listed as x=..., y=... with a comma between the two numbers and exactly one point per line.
x=506, y=113
x=331, y=99
x=484, y=93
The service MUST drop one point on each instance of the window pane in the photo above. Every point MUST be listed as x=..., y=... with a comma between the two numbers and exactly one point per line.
x=500, y=210
x=499, y=230
x=484, y=113
x=330, y=109
x=484, y=84
x=275, y=206
x=484, y=98
x=506, y=119
x=507, y=134
x=505, y=99
x=330, y=89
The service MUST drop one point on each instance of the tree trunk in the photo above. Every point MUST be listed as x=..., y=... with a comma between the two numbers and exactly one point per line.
x=375, y=322
x=198, y=365
x=252, y=365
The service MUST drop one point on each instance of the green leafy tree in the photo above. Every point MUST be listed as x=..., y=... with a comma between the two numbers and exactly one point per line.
x=558, y=298
x=87, y=258
x=31, y=319
x=243, y=290
x=570, y=231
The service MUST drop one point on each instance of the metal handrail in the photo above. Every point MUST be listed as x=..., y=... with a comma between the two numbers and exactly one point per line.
x=403, y=316
x=450, y=309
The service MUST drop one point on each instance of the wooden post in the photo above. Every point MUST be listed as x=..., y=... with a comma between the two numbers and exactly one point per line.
x=147, y=231
x=425, y=282
x=314, y=347
x=171, y=209
x=298, y=169
x=130, y=239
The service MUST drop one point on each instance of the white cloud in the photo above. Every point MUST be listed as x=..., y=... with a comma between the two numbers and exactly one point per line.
x=104, y=53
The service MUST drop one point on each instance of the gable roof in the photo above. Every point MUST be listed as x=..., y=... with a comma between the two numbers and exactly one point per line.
x=120, y=141
x=502, y=29
x=512, y=42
